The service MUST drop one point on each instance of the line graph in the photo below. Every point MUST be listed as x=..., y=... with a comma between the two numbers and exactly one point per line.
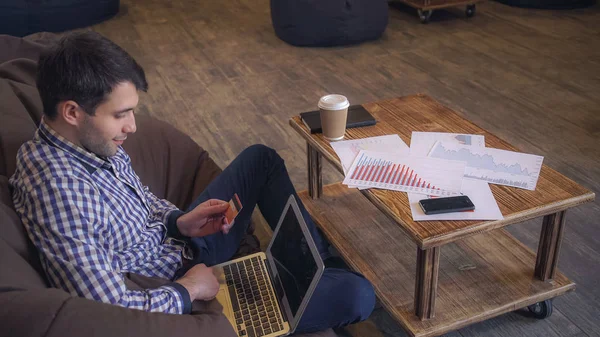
x=421, y=143
x=409, y=174
x=493, y=165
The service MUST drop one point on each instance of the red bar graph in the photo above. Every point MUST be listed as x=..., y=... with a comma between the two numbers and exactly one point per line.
x=369, y=171
x=400, y=175
x=389, y=173
x=384, y=172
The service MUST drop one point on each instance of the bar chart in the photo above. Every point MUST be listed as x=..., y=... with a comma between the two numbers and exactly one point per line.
x=408, y=174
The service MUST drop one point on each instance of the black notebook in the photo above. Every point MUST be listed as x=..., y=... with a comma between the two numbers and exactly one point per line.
x=357, y=116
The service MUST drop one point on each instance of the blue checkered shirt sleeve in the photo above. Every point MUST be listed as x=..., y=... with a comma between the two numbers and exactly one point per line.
x=163, y=211
x=67, y=220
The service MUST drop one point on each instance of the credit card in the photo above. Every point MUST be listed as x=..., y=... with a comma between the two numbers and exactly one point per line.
x=235, y=206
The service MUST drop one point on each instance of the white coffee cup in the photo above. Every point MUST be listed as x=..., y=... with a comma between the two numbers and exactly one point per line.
x=334, y=113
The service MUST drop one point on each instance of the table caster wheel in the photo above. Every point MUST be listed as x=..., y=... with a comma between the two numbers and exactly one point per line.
x=541, y=310
x=424, y=15
x=470, y=11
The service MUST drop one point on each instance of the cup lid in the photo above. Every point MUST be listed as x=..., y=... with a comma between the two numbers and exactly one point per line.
x=333, y=102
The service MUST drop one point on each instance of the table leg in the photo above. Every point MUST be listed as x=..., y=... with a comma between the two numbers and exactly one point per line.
x=428, y=262
x=315, y=178
x=553, y=227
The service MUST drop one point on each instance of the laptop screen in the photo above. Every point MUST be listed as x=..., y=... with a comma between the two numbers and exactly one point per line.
x=296, y=264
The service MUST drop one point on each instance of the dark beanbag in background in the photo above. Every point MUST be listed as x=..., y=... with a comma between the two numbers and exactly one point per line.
x=325, y=23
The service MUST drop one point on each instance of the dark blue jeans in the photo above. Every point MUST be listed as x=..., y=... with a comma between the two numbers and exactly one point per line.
x=259, y=177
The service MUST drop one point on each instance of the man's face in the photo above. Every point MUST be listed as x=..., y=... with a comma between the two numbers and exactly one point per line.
x=114, y=120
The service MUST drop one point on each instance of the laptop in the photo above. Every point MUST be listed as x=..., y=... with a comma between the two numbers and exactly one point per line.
x=265, y=294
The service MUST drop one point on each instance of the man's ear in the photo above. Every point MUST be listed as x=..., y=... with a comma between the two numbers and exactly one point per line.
x=70, y=112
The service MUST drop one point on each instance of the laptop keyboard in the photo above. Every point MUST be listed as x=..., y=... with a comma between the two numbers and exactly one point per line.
x=255, y=307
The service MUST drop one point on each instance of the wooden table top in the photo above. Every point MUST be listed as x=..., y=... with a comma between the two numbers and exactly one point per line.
x=554, y=192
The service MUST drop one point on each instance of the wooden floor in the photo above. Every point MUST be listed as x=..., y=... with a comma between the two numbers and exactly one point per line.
x=217, y=71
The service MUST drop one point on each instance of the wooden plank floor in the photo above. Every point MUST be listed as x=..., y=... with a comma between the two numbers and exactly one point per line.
x=217, y=71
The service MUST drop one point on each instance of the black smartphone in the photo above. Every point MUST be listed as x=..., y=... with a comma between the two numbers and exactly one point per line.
x=446, y=205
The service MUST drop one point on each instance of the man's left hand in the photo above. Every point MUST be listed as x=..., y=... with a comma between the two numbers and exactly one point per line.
x=205, y=219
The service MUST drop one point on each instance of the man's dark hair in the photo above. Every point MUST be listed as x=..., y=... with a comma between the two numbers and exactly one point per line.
x=84, y=67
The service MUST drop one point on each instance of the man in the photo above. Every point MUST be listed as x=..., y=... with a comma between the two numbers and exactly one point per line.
x=92, y=220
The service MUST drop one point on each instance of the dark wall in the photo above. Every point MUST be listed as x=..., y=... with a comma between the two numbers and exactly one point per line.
x=24, y=17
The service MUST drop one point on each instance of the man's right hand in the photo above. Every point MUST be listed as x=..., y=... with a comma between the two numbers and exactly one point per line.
x=205, y=219
x=200, y=282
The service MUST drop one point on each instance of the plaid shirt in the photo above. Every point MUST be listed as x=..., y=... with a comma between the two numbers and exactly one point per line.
x=93, y=221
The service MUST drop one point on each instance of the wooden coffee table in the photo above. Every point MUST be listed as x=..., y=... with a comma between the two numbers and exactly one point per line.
x=481, y=272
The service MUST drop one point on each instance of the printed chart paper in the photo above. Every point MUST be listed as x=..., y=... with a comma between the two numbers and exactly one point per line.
x=422, y=142
x=408, y=174
x=493, y=165
x=347, y=150
x=486, y=207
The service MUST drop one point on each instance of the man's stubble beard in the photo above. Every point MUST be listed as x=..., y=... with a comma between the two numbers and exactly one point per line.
x=92, y=141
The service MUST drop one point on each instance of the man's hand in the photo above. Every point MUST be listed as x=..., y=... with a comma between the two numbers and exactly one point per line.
x=205, y=219
x=200, y=283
